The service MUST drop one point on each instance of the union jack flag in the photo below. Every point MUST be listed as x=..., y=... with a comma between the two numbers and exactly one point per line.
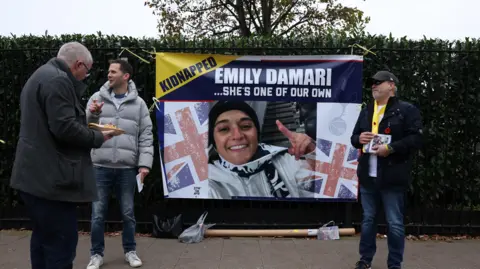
x=185, y=155
x=338, y=162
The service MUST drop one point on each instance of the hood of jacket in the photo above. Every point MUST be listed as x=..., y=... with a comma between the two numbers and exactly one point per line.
x=105, y=91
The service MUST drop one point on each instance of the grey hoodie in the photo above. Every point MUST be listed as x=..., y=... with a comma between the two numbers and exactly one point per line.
x=135, y=147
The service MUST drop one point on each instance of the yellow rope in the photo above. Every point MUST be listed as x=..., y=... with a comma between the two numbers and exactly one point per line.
x=141, y=59
x=366, y=51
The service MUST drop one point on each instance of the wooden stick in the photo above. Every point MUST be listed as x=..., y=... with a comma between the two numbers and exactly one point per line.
x=274, y=232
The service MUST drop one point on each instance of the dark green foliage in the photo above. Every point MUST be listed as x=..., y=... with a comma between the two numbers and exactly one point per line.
x=440, y=77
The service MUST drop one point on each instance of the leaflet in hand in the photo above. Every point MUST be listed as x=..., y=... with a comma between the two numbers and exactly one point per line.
x=378, y=139
x=139, y=182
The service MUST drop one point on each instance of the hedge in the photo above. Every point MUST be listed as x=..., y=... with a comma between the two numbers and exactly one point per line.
x=440, y=77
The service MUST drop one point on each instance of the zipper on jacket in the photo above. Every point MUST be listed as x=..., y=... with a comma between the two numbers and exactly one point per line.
x=115, y=141
x=117, y=118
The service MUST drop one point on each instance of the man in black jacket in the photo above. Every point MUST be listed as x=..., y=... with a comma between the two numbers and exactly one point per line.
x=384, y=169
x=53, y=170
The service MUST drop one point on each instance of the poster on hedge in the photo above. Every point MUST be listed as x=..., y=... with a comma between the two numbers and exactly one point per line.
x=258, y=127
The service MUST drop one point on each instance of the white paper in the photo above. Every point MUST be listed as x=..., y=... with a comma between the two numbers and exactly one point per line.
x=139, y=183
x=378, y=140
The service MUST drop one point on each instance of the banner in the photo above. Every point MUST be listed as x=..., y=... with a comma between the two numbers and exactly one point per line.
x=240, y=127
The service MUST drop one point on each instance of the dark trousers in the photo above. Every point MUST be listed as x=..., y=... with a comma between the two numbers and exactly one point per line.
x=393, y=205
x=53, y=244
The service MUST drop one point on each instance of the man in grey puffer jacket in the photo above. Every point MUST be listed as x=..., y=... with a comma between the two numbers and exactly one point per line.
x=116, y=163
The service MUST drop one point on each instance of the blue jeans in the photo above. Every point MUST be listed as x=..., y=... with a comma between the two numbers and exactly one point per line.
x=53, y=244
x=124, y=183
x=393, y=204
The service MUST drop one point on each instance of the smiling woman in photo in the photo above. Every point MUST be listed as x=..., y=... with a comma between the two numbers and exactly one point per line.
x=240, y=166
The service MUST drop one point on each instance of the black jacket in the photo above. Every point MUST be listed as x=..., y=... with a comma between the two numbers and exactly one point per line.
x=404, y=123
x=52, y=157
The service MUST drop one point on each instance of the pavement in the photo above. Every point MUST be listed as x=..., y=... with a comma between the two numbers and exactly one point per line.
x=252, y=253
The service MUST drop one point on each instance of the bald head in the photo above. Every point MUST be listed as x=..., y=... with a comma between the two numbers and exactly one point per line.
x=78, y=58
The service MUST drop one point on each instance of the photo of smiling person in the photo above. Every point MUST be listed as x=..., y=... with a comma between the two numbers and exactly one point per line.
x=241, y=166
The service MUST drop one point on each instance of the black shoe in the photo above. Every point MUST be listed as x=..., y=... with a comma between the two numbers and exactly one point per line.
x=362, y=265
x=395, y=267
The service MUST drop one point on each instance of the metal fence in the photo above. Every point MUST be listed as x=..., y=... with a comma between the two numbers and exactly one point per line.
x=443, y=199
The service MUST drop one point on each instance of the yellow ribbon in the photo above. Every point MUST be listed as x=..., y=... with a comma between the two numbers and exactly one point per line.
x=155, y=101
x=376, y=115
x=365, y=50
x=140, y=58
x=375, y=120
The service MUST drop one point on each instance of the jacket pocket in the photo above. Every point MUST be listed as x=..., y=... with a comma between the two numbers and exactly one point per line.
x=397, y=173
x=70, y=173
x=134, y=148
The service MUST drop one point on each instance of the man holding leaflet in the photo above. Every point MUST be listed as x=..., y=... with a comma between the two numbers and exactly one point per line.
x=118, y=161
x=388, y=132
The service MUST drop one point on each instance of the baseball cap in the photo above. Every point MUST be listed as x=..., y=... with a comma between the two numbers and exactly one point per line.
x=385, y=76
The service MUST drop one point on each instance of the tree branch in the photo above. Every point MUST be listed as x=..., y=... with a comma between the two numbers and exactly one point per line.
x=226, y=5
x=251, y=6
x=282, y=16
x=304, y=19
x=267, y=23
x=189, y=9
x=214, y=33
x=242, y=22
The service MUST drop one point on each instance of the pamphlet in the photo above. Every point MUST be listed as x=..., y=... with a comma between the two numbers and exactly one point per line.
x=378, y=139
x=139, y=182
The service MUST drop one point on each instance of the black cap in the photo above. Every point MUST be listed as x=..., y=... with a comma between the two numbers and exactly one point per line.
x=385, y=76
x=224, y=106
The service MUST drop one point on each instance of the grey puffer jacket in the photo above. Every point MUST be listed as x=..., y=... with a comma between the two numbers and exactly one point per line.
x=135, y=147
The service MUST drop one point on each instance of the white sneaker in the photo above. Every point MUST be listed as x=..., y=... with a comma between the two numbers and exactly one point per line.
x=132, y=258
x=95, y=262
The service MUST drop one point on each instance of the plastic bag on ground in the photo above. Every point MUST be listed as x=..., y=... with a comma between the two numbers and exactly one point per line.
x=328, y=233
x=196, y=232
x=167, y=227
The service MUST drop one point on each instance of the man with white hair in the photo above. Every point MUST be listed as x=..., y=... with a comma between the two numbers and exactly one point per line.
x=53, y=169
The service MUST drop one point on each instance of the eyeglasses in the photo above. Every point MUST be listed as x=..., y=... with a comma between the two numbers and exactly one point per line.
x=377, y=82
x=88, y=69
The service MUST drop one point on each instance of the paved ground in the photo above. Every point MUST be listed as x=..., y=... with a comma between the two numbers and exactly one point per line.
x=252, y=253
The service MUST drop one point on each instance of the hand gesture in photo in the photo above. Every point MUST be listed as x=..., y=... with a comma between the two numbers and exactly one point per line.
x=96, y=107
x=300, y=143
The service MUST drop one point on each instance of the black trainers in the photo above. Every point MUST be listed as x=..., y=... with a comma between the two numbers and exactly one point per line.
x=362, y=265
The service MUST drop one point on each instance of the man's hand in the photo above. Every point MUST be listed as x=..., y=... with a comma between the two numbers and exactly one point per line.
x=366, y=137
x=108, y=134
x=95, y=107
x=301, y=143
x=143, y=172
x=382, y=150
